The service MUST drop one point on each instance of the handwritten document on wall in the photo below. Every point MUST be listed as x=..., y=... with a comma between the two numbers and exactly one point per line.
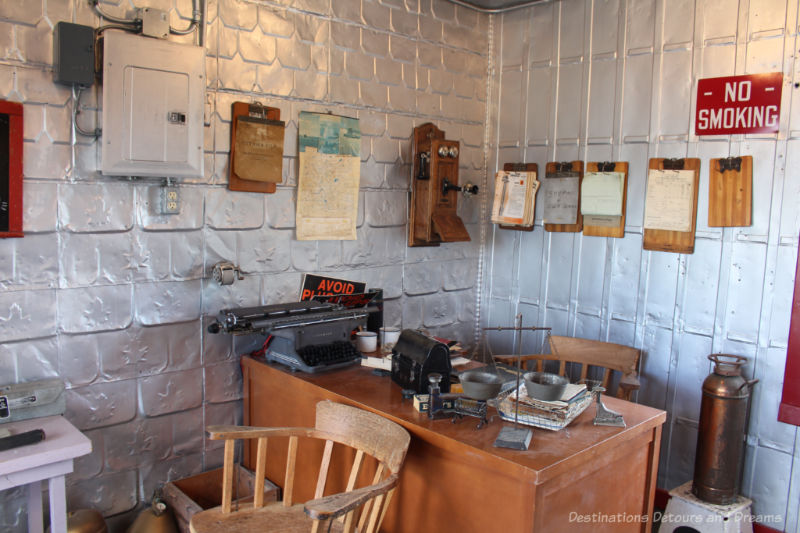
x=514, y=198
x=560, y=199
x=327, y=191
x=669, y=201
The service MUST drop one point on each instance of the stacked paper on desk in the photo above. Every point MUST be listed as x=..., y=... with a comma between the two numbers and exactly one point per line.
x=547, y=415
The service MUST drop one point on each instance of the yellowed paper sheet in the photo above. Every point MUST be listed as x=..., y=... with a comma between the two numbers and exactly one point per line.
x=258, y=153
x=327, y=196
x=514, y=198
x=601, y=193
x=669, y=201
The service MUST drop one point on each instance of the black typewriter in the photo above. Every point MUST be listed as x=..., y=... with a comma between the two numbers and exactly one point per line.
x=310, y=336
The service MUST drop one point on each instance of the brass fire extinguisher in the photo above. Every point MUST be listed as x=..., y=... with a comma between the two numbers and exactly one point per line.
x=720, y=436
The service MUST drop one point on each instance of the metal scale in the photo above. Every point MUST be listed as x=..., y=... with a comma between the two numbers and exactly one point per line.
x=462, y=405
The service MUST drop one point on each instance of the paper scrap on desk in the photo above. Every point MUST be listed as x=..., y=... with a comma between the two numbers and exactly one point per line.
x=327, y=189
x=382, y=363
x=458, y=361
x=560, y=199
x=669, y=201
x=601, y=193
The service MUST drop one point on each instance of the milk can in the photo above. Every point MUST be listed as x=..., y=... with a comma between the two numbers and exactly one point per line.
x=720, y=436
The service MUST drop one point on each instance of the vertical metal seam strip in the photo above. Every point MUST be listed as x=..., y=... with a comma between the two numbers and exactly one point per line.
x=484, y=200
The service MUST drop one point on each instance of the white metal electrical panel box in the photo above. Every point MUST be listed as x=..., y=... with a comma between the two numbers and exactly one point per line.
x=153, y=103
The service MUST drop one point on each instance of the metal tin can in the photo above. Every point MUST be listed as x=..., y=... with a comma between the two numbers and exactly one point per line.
x=720, y=436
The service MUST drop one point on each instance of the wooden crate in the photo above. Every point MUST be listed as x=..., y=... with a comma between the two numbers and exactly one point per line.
x=193, y=494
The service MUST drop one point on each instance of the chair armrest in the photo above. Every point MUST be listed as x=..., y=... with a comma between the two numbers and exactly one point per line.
x=628, y=384
x=343, y=502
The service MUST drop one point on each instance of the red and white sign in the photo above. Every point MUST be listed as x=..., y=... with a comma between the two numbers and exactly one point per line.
x=739, y=104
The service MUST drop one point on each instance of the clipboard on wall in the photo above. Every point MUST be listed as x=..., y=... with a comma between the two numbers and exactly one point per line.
x=244, y=118
x=556, y=170
x=671, y=240
x=520, y=167
x=617, y=231
x=730, y=191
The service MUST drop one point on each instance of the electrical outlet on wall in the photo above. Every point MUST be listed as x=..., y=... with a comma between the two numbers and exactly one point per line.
x=170, y=200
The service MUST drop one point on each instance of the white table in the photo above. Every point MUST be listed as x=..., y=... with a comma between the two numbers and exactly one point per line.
x=50, y=459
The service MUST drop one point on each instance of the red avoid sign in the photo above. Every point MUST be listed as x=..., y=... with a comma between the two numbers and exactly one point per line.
x=739, y=104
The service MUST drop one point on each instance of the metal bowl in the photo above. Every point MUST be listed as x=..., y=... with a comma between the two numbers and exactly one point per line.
x=545, y=386
x=480, y=385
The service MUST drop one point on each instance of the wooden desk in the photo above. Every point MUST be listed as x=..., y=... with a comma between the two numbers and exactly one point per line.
x=453, y=478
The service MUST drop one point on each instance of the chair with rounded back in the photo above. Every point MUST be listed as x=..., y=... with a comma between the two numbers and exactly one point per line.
x=591, y=353
x=359, y=509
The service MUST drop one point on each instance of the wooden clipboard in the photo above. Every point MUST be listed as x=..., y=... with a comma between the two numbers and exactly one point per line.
x=520, y=167
x=681, y=242
x=576, y=166
x=244, y=109
x=730, y=191
x=617, y=232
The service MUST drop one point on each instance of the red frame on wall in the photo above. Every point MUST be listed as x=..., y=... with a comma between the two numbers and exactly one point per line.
x=789, y=410
x=11, y=199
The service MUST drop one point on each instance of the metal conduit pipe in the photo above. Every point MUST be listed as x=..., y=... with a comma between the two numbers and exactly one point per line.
x=196, y=14
x=111, y=18
x=497, y=10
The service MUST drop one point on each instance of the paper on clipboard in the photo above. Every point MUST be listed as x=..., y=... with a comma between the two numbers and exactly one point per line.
x=514, y=198
x=560, y=197
x=601, y=193
x=669, y=201
x=258, y=152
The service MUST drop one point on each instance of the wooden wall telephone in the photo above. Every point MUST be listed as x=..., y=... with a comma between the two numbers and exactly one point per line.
x=434, y=187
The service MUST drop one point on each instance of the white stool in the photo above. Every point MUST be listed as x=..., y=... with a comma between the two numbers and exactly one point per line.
x=684, y=509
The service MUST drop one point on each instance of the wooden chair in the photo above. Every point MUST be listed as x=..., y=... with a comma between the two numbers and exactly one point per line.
x=365, y=433
x=588, y=353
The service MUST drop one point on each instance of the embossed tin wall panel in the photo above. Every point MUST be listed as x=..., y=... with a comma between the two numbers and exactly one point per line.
x=570, y=108
x=539, y=104
x=625, y=268
x=720, y=18
x=636, y=103
x=678, y=22
x=542, y=32
x=718, y=61
x=591, y=274
x=702, y=286
x=572, y=30
x=602, y=94
x=530, y=260
x=640, y=24
x=676, y=93
x=605, y=26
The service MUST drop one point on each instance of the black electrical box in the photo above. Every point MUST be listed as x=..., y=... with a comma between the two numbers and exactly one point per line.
x=73, y=54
